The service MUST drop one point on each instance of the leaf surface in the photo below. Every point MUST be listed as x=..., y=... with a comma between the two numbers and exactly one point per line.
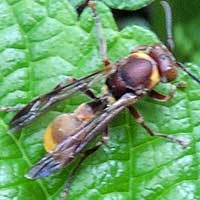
x=117, y=4
x=42, y=43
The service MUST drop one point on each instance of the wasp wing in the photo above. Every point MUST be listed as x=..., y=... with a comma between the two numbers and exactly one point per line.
x=74, y=144
x=42, y=103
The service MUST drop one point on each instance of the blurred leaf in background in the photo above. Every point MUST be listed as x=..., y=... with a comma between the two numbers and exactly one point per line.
x=186, y=25
x=42, y=43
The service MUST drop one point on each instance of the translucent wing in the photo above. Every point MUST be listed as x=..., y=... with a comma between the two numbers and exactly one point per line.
x=70, y=147
x=42, y=103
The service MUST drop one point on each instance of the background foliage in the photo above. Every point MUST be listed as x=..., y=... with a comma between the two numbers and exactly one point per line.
x=186, y=22
x=42, y=42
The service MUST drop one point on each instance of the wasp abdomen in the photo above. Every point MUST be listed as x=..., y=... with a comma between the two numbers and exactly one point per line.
x=60, y=128
x=69, y=123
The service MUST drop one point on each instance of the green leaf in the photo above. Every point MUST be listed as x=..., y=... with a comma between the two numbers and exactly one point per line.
x=43, y=42
x=128, y=5
x=117, y=4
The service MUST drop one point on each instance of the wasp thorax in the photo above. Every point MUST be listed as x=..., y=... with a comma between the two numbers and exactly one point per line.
x=135, y=74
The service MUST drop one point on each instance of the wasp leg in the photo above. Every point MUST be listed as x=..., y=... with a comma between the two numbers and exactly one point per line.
x=163, y=98
x=100, y=35
x=105, y=137
x=10, y=108
x=81, y=7
x=84, y=155
x=138, y=117
x=83, y=87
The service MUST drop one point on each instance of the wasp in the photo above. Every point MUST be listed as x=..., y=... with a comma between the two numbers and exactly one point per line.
x=127, y=81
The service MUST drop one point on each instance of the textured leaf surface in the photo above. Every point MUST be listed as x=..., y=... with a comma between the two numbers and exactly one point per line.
x=118, y=4
x=128, y=5
x=43, y=42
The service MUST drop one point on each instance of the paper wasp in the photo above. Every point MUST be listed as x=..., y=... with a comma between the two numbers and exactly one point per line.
x=127, y=81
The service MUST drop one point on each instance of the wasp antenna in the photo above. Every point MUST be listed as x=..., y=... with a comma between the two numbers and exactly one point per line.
x=181, y=65
x=100, y=34
x=168, y=24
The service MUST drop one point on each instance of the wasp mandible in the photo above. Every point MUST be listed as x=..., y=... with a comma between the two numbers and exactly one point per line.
x=127, y=81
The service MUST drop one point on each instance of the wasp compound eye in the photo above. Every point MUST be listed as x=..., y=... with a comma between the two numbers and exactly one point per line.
x=171, y=74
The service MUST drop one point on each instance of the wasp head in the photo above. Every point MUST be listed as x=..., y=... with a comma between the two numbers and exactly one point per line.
x=167, y=64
